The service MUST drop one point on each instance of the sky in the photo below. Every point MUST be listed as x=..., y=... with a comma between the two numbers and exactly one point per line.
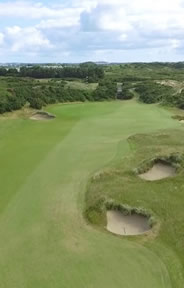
x=91, y=30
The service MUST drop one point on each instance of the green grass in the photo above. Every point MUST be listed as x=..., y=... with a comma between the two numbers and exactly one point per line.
x=45, y=169
x=73, y=83
x=81, y=85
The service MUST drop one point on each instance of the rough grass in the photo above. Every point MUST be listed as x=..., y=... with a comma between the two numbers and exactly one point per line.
x=81, y=85
x=163, y=198
x=23, y=113
x=73, y=84
x=45, y=168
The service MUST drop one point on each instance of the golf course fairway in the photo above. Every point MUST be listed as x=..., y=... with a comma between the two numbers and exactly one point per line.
x=45, y=242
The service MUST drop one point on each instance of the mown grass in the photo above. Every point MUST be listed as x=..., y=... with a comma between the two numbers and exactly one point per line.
x=45, y=168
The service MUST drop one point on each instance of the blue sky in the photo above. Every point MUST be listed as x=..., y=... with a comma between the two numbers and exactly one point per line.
x=83, y=30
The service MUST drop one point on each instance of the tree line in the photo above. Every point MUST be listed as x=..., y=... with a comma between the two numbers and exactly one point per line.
x=36, y=95
x=16, y=92
x=89, y=71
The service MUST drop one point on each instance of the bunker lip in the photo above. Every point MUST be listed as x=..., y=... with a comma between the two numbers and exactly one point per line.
x=127, y=225
x=42, y=115
x=159, y=170
x=180, y=118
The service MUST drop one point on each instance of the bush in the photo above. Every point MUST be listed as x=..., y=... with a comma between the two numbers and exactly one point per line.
x=151, y=92
x=36, y=103
x=105, y=91
x=126, y=94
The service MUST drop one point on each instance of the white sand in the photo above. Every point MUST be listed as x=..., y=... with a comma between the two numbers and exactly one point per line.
x=159, y=171
x=41, y=116
x=120, y=224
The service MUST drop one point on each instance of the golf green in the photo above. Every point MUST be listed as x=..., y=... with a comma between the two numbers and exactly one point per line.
x=45, y=167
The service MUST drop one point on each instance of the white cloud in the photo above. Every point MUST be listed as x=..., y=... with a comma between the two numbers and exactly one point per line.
x=115, y=20
x=1, y=38
x=123, y=37
x=76, y=26
x=28, y=9
x=87, y=5
x=139, y=14
x=174, y=43
x=68, y=18
x=26, y=39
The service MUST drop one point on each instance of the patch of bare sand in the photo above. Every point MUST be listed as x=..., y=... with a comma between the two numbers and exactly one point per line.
x=42, y=116
x=159, y=171
x=126, y=225
x=181, y=121
x=178, y=85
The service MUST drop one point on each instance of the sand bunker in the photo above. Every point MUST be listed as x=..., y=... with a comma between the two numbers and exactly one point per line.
x=41, y=115
x=159, y=171
x=120, y=224
x=179, y=118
